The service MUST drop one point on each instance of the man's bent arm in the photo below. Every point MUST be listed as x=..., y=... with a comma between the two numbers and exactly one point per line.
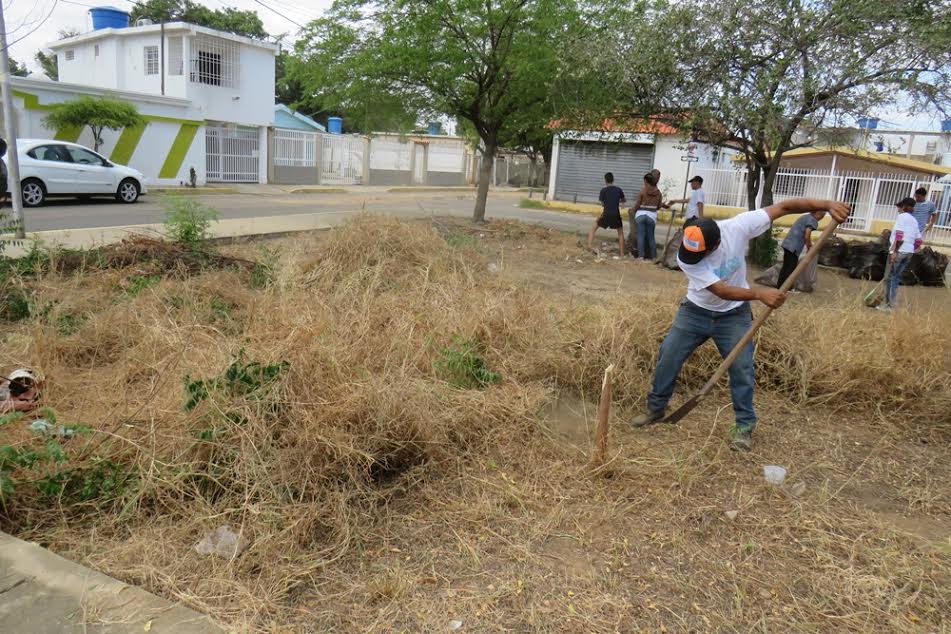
x=839, y=211
x=769, y=296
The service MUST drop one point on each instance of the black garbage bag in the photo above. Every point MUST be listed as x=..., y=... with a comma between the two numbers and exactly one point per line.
x=867, y=261
x=835, y=252
x=927, y=267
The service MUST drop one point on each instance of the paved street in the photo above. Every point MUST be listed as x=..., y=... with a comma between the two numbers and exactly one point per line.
x=70, y=214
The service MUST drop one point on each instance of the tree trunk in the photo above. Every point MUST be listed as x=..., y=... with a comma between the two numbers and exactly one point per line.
x=769, y=178
x=752, y=184
x=485, y=177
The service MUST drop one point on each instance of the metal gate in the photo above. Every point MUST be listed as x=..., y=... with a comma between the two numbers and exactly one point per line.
x=341, y=159
x=582, y=165
x=232, y=154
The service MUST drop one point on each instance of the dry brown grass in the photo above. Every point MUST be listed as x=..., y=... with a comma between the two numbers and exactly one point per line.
x=379, y=497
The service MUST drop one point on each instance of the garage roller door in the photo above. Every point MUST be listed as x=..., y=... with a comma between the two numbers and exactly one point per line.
x=582, y=165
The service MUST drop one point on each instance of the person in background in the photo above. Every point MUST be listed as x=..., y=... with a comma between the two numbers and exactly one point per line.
x=799, y=237
x=717, y=306
x=649, y=200
x=696, y=200
x=611, y=197
x=905, y=240
x=925, y=212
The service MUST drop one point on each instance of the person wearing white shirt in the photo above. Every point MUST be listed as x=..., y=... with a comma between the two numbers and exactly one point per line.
x=717, y=306
x=696, y=201
x=905, y=240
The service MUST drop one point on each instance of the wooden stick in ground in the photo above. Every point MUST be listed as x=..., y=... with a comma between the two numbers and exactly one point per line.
x=604, y=412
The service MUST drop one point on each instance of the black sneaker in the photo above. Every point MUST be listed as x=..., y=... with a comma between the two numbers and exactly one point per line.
x=740, y=440
x=647, y=418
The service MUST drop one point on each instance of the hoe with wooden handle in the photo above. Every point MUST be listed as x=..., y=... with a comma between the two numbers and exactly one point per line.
x=684, y=409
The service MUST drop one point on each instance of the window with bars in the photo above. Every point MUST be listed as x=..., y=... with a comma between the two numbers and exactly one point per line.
x=176, y=56
x=151, y=60
x=70, y=55
x=214, y=61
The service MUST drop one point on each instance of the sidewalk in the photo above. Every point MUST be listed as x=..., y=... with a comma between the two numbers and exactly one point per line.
x=42, y=593
x=257, y=189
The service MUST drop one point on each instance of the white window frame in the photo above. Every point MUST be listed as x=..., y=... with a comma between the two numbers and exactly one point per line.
x=150, y=56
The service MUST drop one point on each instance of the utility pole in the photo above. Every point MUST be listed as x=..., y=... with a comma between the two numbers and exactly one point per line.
x=9, y=122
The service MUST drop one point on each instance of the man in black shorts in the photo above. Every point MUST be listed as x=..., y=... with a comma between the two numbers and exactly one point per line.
x=611, y=197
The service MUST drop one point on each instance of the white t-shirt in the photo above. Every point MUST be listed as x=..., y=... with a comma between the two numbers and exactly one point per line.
x=908, y=225
x=650, y=213
x=696, y=197
x=727, y=263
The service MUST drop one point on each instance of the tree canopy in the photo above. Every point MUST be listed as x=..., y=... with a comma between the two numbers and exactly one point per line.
x=99, y=113
x=16, y=68
x=488, y=62
x=246, y=23
x=764, y=77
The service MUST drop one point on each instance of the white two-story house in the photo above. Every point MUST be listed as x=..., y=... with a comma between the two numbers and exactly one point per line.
x=208, y=97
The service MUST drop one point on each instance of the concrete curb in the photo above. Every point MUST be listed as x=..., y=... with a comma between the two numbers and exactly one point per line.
x=223, y=229
x=40, y=592
x=319, y=190
x=193, y=191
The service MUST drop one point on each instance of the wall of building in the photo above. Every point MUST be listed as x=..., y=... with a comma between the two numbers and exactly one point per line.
x=906, y=143
x=170, y=141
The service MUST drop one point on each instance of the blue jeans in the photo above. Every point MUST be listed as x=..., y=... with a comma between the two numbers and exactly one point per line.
x=692, y=327
x=646, y=243
x=894, y=277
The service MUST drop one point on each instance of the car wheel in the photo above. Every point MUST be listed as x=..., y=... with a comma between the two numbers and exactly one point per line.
x=128, y=191
x=34, y=193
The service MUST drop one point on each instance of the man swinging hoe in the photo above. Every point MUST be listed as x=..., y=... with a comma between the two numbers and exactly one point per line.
x=717, y=306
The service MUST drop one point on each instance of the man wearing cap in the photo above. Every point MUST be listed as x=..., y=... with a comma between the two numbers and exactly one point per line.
x=696, y=200
x=713, y=256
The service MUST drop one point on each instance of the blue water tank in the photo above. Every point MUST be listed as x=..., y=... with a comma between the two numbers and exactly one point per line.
x=946, y=125
x=435, y=128
x=334, y=125
x=109, y=18
x=868, y=123
x=879, y=146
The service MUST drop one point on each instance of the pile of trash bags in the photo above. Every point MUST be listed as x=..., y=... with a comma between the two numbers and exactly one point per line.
x=867, y=261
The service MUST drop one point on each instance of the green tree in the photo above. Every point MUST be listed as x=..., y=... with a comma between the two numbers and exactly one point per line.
x=481, y=61
x=48, y=63
x=766, y=77
x=99, y=113
x=16, y=68
x=246, y=23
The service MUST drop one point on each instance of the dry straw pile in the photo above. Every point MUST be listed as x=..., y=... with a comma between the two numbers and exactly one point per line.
x=305, y=404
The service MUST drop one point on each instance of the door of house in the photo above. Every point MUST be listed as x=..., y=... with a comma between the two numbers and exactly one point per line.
x=419, y=163
x=232, y=154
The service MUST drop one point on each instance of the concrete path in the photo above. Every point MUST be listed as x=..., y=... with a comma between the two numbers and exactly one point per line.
x=42, y=593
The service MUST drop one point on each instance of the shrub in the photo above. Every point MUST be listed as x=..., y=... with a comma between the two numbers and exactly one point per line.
x=187, y=220
x=461, y=365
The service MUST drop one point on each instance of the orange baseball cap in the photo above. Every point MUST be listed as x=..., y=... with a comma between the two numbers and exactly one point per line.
x=700, y=237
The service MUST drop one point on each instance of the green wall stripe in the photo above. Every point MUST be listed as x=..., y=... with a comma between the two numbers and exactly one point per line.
x=70, y=134
x=176, y=155
x=125, y=146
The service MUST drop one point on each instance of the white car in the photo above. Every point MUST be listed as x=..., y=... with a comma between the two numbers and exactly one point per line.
x=51, y=168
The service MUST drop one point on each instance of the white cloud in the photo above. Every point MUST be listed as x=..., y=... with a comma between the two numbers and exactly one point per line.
x=22, y=16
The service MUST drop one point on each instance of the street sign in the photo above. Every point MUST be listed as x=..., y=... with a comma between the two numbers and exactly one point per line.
x=690, y=158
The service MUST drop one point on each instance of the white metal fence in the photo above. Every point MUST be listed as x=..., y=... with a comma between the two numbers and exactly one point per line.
x=871, y=196
x=295, y=148
x=341, y=159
